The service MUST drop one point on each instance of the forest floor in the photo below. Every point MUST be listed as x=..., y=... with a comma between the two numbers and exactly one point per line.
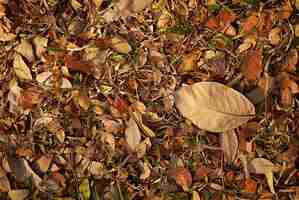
x=149, y=99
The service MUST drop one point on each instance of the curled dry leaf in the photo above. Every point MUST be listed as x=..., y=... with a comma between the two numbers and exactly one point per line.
x=261, y=166
x=133, y=134
x=182, y=177
x=230, y=145
x=21, y=69
x=213, y=106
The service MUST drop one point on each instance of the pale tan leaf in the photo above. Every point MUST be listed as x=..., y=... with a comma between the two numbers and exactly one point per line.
x=25, y=49
x=269, y=177
x=133, y=135
x=4, y=184
x=40, y=44
x=213, y=106
x=146, y=171
x=120, y=45
x=66, y=84
x=96, y=168
x=261, y=166
x=44, y=78
x=230, y=145
x=18, y=194
x=21, y=69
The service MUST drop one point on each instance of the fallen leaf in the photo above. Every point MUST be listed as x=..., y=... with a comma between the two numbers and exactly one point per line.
x=146, y=171
x=96, y=168
x=5, y=35
x=44, y=162
x=4, y=184
x=270, y=180
x=252, y=65
x=250, y=185
x=195, y=196
x=285, y=11
x=230, y=145
x=275, y=36
x=249, y=23
x=127, y=7
x=26, y=50
x=84, y=189
x=31, y=97
x=189, y=61
x=261, y=166
x=40, y=44
x=291, y=61
x=77, y=64
x=66, y=84
x=84, y=101
x=21, y=194
x=133, y=135
x=120, y=45
x=14, y=96
x=182, y=176
x=213, y=106
x=21, y=69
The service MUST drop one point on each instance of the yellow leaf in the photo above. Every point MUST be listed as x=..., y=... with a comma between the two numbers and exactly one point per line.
x=21, y=69
x=85, y=189
x=213, y=106
x=18, y=194
x=120, y=45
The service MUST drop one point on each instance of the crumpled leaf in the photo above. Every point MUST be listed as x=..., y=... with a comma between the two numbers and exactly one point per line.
x=133, y=134
x=182, y=177
x=18, y=194
x=21, y=69
x=213, y=106
x=230, y=145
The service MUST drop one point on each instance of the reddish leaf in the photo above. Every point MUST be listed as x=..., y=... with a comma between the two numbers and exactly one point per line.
x=31, y=97
x=76, y=64
x=249, y=23
x=250, y=185
x=253, y=65
x=213, y=23
x=226, y=17
x=291, y=60
x=182, y=177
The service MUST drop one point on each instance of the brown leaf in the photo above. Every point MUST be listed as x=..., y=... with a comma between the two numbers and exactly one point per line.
x=250, y=185
x=252, y=65
x=76, y=64
x=182, y=177
x=25, y=49
x=4, y=183
x=285, y=11
x=275, y=36
x=189, y=61
x=229, y=144
x=213, y=106
x=30, y=97
x=127, y=7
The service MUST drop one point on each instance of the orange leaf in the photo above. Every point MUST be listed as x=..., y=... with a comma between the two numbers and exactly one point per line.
x=250, y=185
x=76, y=64
x=226, y=17
x=290, y=84
x=213, y=23
x=285, y=11
x=292, y=60
x=182, y=177
x=250, y=23
x=253, y=65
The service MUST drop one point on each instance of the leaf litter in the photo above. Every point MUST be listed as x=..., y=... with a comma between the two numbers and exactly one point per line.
x=153, y=99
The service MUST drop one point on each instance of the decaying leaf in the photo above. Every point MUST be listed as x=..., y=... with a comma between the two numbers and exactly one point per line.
x=21, y=69
x=252, y=65
x=229, y=144
x=182, y=176
x=133, y=135
x=213, y=106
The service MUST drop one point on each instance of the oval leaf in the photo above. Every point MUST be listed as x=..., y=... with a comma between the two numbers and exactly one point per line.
x=133, y=135
x=21, y=69
x=213, y=106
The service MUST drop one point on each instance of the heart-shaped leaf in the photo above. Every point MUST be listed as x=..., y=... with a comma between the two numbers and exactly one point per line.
x=213, y=106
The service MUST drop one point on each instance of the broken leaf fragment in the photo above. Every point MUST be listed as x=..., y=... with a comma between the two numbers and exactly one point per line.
x=230, y=145
x=213, y=106
x=120, y=45
x=182, y=177
x=21, y=69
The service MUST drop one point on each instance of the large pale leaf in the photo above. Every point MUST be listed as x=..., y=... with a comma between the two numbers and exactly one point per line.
x=21, y=69
x=213, y=106
x=133, y=135
x=230, y=145
x=261, y=166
